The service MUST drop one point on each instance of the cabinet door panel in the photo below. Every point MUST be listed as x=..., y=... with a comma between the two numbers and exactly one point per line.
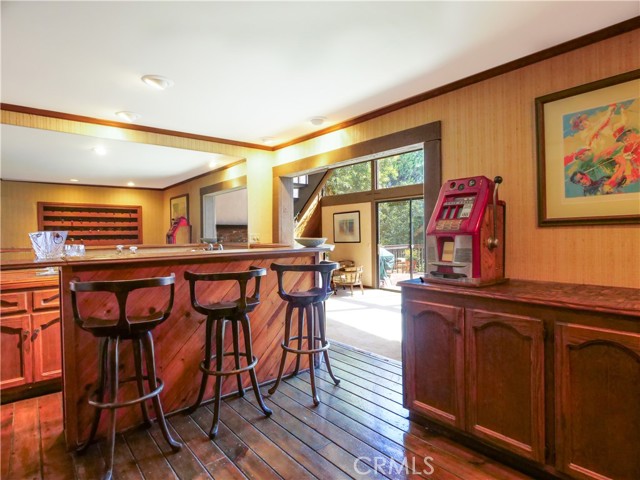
x=597, y=402
x=15, y=345
x=47, y=346
x=433, y=367
x=505, y=403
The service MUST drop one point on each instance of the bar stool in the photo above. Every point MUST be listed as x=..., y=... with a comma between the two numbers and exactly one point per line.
x=309, y=304
x=218, y=314
x=110, y=331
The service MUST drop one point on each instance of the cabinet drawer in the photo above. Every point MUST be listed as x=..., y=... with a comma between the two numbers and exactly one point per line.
x=13, y=302
x=46, y=299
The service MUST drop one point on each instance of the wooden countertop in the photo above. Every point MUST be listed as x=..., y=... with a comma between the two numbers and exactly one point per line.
x=615, y=300
x=14, y=260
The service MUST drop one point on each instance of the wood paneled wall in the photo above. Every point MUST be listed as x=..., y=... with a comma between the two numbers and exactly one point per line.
x=488, y=129
x=20, y=208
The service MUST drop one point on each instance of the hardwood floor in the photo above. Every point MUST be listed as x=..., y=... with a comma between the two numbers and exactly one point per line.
x=359, y=430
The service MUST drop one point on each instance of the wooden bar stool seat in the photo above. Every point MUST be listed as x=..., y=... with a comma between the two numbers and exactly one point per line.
x=110, y=331
x=218, y=313
x=310, y=305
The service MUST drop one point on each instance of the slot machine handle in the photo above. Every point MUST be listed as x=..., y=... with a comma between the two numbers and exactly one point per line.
x=493, y=241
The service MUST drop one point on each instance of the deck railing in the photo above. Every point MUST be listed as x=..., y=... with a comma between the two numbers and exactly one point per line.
x=402, y=254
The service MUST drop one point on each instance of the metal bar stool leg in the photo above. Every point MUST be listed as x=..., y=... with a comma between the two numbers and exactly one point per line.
x=317, y=357
x=218, y=389
x=147, y=341
x=236, y=354
x=300, y=337
x=137, y=345
x=287, y=336
x=246, y=327
x=102, y=386
x=323, y=340
x=113, y=398
x=310, y=342
x=207, y=364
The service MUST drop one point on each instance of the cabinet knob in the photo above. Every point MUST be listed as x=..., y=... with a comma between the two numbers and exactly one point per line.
x=25, y=337
x=35, y=334
x=457, y=330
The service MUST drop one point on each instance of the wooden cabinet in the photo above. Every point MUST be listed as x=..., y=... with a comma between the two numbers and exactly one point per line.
x=544, y=379
x=477, y=371
x=47, y=346
x=30, y=336
x=15, y=368
x=597, y=402
x=434, y=366
x=505, y=381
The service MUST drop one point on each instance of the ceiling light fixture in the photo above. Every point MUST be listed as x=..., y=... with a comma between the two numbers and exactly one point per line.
x=317, y=121
x=73, y=180
x=131, y=184
x=268, y=140
x=99, y=150
x=157, y=81
x=128, y=116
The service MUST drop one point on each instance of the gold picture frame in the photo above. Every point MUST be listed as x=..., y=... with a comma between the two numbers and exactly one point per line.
x=179, y=207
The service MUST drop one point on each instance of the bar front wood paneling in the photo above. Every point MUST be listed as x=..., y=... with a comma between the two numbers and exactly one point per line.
x=179, y=341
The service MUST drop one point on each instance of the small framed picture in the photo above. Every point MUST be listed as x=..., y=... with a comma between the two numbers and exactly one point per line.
x=346, y=227
x=179, y=207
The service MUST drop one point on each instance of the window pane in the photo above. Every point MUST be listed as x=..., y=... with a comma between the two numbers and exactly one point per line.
x=400, y=170
x=350, y=179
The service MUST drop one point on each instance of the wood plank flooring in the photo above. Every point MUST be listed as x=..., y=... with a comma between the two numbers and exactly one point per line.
x=359, y=430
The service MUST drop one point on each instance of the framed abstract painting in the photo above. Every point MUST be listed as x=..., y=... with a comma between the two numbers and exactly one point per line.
x=346, y=227
x=588, y=144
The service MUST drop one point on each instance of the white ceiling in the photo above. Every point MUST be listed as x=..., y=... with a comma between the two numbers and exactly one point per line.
x=248, y=70
x=41, y=152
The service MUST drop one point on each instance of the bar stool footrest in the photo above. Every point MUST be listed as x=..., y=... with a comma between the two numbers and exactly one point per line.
x=133, y=401
x=224, y=373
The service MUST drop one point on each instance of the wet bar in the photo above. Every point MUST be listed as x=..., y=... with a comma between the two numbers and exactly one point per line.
x=179, y=341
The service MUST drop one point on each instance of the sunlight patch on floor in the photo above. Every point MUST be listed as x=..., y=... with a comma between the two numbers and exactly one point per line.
x=376, y=313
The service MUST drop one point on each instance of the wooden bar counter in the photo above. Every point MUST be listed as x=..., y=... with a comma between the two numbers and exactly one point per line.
x=179, y=341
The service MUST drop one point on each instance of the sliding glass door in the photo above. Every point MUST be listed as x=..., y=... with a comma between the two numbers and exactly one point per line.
x=400, y=241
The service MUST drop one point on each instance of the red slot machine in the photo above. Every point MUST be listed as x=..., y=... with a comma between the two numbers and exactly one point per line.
x=465, y=235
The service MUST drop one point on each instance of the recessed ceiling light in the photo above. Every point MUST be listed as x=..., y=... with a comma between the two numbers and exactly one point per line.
x=128, y=116
x=157, y=81
x=317, y=121
x=268, y=140
x=73, y=180
x=99, y=150
x=131, y=184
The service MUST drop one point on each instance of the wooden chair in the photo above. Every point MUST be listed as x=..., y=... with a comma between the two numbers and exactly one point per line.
x=111, y=329
x=310, y=306
x=348, y=277
x=235, y=312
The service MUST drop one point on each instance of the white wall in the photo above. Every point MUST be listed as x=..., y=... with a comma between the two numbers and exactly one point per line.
x=232, y=207
x=360, y=253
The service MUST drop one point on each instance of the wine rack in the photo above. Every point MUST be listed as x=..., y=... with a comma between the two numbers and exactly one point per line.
x=89, y=224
